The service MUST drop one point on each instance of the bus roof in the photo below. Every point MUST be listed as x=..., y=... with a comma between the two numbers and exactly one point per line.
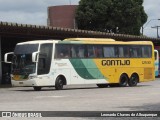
x=86, y=41
x=90, y=39
x=102, y=41
x=38, y=42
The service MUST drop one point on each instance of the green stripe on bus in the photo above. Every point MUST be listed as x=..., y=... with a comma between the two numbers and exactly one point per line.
x=93, y=69
x=86, y=68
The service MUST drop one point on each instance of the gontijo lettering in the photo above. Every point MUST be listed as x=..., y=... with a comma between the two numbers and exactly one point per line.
x=115, y=62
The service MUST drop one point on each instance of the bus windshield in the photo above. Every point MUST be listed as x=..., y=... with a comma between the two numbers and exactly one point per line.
x=22, y=60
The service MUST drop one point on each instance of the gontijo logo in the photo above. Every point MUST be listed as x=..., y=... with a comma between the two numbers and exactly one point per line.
x=115, y=62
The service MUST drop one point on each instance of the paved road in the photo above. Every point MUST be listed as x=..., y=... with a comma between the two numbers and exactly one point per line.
x=144, y=97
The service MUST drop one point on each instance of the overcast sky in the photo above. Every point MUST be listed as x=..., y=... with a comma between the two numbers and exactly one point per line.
x=35, y=12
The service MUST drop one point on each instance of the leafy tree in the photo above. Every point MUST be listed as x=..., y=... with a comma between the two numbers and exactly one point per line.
x=117, y=16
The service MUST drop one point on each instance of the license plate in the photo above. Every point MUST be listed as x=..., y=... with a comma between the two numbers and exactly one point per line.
x=20, y=82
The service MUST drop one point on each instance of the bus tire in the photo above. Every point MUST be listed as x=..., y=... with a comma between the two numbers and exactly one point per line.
x=133, y=80
x=37, y=88
x=102, y=85
x=123, y=81
x=59, y=83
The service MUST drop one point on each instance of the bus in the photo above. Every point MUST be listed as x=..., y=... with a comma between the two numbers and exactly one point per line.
x=156, y=55
x=156, y=47
x=104, y=62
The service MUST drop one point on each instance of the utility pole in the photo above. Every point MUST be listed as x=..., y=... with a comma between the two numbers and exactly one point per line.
x=143, y=27
x=157, y=27
x=70, y=2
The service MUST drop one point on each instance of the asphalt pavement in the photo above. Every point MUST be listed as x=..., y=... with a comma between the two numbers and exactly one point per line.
x=144, y=97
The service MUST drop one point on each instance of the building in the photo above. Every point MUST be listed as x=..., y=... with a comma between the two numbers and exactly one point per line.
x=62, y=16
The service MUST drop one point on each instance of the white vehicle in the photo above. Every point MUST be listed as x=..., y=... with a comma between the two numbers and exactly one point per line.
x=156, y=55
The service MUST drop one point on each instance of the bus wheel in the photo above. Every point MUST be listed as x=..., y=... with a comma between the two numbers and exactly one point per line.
x=37, y=88
x=102, y=85
x=123, y=80
x=133, y=80
x=59, y=83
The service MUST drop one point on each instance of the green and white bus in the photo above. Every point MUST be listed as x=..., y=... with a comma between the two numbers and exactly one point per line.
x=104, y=62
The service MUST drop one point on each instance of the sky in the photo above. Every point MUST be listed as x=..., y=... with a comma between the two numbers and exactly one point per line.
x=35, y=12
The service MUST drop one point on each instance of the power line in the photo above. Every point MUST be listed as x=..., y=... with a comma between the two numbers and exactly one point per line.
x=157, y=27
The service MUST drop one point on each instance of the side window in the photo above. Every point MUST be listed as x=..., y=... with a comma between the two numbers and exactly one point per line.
x=126, y=51
x=121, y=51
x=146, y=51
x=45, y=57
x=136, y=51
x=78, y=51
x=74, y=51
x=91, y=51
x=99, y=51
x=109, y=51
x=62, y=51
x=94, y=51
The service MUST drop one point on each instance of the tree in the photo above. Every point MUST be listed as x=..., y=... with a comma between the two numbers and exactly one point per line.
x=117, y=16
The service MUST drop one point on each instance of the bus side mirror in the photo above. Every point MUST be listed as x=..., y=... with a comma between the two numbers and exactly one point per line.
x=35, y=57
x=8, y=57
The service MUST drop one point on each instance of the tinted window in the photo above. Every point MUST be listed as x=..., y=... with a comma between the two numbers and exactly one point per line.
x=70, y=51
x=78, y=51
x=95, y=51
x=62, y=51
x=91, y=51
x=146, y=51
x=121, y=51
x=45, y=57
x=99, y=51
x=110, y=51
x=26, y=49
x=136, y=51
x=102, y=51
x=126, y=51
